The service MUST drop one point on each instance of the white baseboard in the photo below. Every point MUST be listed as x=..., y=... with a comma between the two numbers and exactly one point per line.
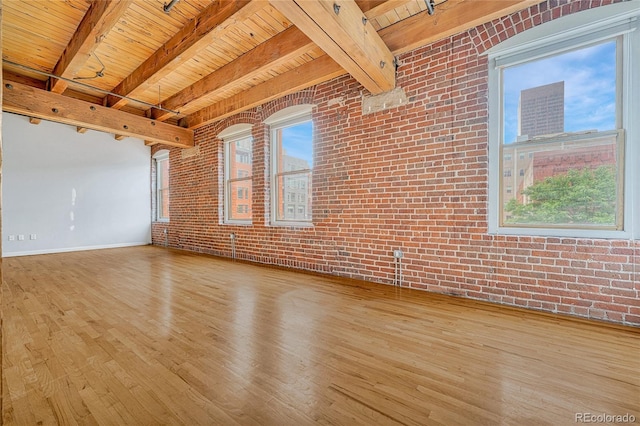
x=70, y=249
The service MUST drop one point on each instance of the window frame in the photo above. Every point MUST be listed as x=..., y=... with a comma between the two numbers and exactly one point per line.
x=229, y=136
x=289, y=117
x=561, y=35
x=159, y=158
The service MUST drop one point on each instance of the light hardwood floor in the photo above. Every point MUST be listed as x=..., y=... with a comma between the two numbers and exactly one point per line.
x=147, y=335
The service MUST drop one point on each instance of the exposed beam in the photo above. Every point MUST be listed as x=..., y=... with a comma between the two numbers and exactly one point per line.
x=32, y=102
x=400, y=37
x=119, y=137
x=280, y=49
x=101, y=16
x=34, y=120
x=29, y=81
x=377, y=8
x=451, y=17
x=81, y=129
x=314, y=72
x=369, y=5
x=185, y=44
x=343, y=32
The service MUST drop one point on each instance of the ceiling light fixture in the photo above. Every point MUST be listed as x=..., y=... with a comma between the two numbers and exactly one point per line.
x=98, y=73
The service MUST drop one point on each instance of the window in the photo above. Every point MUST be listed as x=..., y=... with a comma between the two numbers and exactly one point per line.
x=161, y=159
x=238, y=173
x=560, y=108
x=292, y=165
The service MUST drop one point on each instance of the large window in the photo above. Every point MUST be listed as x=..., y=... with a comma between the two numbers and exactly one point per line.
x=292, y=165
x=162, y=185
x=238, y=174
x=558, y=122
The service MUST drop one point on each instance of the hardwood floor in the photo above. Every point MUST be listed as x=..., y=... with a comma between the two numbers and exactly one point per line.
x=147, y=335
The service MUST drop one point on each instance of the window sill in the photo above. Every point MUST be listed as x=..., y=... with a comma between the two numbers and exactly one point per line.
x=283, y=224
x=562, y=233
x=238, y=223
x=161, y=221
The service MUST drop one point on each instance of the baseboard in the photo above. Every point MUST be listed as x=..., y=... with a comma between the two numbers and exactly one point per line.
x=70, y=249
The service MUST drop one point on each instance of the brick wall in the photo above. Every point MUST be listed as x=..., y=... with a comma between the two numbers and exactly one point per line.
x=412, y=178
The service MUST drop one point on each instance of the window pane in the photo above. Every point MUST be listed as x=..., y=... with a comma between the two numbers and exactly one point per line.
x=240, y=200
x=240, y=158
x=292, y=152
x=238, y=195
x=567, y=93
x=560, y=164
x=294, y=197
x=162, y=182
x=564, y=182
x=295, y=147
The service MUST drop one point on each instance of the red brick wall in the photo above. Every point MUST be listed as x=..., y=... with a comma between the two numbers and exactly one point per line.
x=412, y=178
x=551, y=163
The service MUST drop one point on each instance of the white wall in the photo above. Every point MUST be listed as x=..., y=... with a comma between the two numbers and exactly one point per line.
x=73, y=191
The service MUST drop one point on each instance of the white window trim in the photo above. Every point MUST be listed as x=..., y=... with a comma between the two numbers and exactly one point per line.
x=229, y=135
x=284, y=118
x=162, y=155
x=581, y=28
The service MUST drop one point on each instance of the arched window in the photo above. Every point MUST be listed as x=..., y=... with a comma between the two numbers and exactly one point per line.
x=292, y=165
x=238, y=173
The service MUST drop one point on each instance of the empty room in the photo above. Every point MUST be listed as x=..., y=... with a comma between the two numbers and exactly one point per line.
x=337, y=212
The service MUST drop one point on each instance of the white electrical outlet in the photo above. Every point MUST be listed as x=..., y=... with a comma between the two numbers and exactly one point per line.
x=20, y=237
x=33, y=236
x=12, y=237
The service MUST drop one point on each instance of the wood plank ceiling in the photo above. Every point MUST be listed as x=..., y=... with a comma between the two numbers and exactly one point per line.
x=128, y=67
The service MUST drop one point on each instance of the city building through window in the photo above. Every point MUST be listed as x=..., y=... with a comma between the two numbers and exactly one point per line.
x=292, y=165
x=161, y=159
x=238, y=173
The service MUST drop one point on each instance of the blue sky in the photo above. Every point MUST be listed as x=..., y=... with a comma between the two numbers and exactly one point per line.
x=298, y=141
x=589, y=77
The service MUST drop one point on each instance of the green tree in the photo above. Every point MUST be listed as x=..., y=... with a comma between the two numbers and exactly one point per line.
x=586, y=196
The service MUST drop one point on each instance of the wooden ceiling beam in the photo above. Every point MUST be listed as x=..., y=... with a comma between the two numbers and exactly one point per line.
x=101, y=16
x=344, y=33
x=184, y=45
x=378, y=8
x=29, y=81
x=450, y=17
x=278, y=50
x=26, y=100
x=317, y=71
x=401, y=37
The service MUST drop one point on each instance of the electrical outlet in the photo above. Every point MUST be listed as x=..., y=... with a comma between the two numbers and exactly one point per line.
x=20, y=237
x=33, y=236
x=12, y=237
